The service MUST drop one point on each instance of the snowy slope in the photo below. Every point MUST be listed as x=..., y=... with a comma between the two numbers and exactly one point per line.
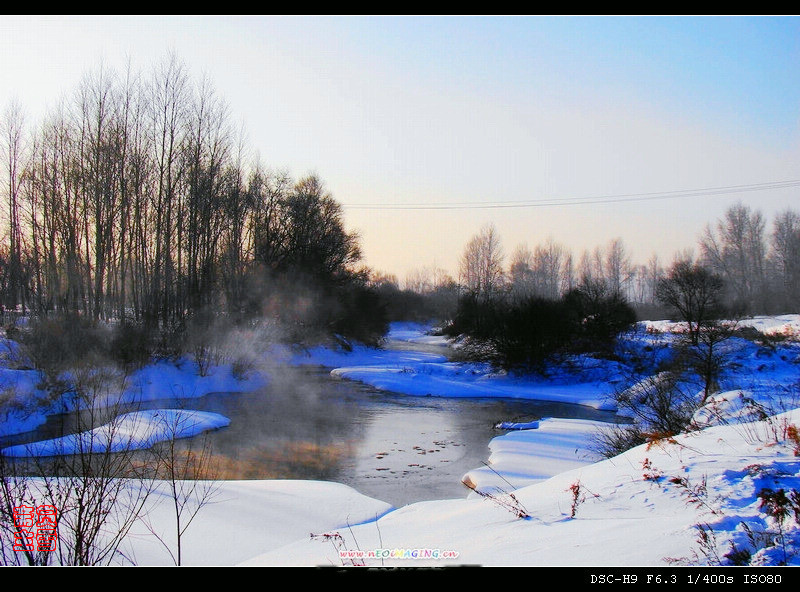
x=640, y=508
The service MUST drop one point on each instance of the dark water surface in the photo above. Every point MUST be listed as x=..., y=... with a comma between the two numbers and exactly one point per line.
x=307, y=425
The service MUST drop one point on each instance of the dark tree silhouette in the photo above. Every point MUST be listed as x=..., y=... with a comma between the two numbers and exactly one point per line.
x=694, y=293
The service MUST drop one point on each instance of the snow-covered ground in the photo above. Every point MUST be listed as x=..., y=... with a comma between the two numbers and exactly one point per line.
x=779, y=326
x=247, y=518
x=644, y=507
x=706, y=497
x=415, y=333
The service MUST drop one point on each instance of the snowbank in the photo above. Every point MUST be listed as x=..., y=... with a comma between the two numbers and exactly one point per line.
x=425, y=373
x=783, y=325
x=523, y=457
x=131, y=431
x=238, y=519
x=247, y=518
x=452, y=379
x=417, y=333
x=361, y=355
x=182, y=380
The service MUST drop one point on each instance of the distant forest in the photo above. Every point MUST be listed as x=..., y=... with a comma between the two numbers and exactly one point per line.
x=758, y=263
x=135, y=200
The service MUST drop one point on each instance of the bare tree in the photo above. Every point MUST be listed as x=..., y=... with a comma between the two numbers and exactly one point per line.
x=568, y=273
x=233, y=264
x=785, y=258
x=694, y=292
x=18, y=493
x=168, y=104
x=659, y=405
x=91, y=477
x=548, y=261
x=591, y=268
x=207, y=199
x=188, y=474
x=481, y=268
x=101, y=151
x=425, y=280
x=11, y=129
x=736, y=250
x=617, y=267
x=708, y=358
x=638, y=288
x=654, y=274
x=99, y=489
x=520, y=272
x=418, y=280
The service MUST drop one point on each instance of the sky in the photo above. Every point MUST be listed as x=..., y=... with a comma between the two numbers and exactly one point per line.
x=461, y=113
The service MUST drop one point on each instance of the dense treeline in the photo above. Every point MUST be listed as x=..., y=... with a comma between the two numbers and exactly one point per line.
x=525, y=333
x=135, y=200
x=428, y=294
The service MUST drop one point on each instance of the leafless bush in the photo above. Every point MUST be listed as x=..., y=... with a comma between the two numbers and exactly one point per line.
x=89, y=478
x=506, y=500
x=189, y=475
x=339, y=544
x=17, y=490
x=659, y=405
x=611, y=441
x=578, y=491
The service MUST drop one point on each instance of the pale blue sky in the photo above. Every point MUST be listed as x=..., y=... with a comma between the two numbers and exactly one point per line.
x=476, y=110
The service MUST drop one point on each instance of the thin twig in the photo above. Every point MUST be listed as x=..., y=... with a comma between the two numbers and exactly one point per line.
x=380, y=538
x=498, y=474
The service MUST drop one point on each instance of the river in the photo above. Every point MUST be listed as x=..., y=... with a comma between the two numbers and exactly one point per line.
x=307, y=425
